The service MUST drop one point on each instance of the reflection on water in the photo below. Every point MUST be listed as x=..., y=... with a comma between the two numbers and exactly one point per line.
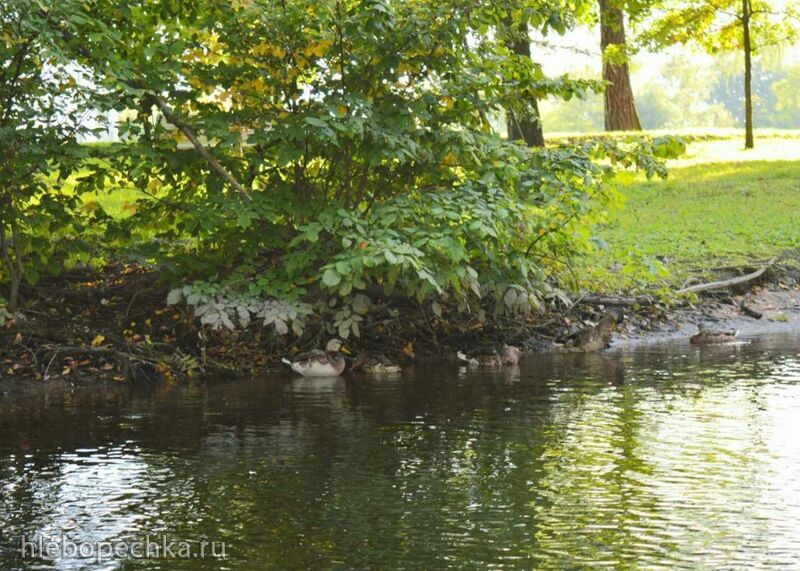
x=660, y=457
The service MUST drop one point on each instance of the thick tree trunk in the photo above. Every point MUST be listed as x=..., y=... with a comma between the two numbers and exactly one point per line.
x=528, y=129
x=749, y=138
x=620, y=108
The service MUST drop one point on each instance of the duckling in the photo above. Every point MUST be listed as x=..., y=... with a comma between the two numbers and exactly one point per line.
x=376, y=365
x=509, y=355
x=708, y=337
x=597, y=337
x=316, y=363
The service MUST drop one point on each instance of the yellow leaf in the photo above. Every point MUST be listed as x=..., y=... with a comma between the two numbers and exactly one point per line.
x=317, y=49
x=266, y=48
x=97, y=341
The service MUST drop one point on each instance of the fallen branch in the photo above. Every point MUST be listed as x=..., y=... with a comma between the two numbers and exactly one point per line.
x=619, y=300
x=729, y=282
x=97, y=351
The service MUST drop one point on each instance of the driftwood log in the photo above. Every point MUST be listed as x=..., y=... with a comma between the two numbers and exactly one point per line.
x=729, y=282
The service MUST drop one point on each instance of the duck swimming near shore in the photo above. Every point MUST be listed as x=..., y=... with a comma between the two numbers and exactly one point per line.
x=596, y=337
x=316, y=363
x=508, y=355
x=376, y=365
x=705, y=336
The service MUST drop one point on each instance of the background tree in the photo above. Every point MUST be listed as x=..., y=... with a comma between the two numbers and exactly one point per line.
x=45, y=109
x=523, y=126
x=521, y=17
x=620, y=106
x=746, y=26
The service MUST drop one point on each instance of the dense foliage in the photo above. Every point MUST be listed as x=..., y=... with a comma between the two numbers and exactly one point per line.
x=289, y=159
x=43, y=112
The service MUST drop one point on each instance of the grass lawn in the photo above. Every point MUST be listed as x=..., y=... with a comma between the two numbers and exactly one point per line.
x=704, y=216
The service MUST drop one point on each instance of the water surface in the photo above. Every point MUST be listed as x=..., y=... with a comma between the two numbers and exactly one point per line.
x=660, y=457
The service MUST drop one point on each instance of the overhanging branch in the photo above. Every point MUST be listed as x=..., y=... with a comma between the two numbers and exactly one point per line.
x=172, y=117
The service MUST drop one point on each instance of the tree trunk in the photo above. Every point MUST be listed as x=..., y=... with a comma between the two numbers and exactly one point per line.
x=749, y=139
x=620, y=108
x=13, y=268
x=525, y=128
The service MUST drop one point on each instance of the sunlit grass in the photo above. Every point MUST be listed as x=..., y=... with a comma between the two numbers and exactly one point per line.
x=733, y=151
x=710, y=214
x=699, y=133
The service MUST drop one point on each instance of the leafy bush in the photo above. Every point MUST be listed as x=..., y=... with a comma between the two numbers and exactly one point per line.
x=490, y=242
x=290, y=160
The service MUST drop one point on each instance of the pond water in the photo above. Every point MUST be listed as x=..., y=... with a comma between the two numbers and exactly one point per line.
x=657, y=457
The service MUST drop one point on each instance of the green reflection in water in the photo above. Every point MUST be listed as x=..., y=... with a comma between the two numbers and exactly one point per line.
x=657, y=458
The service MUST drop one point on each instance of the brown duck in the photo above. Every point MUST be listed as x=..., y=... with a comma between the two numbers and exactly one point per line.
x=376, y=365
x=711, y=337
x=508, y=355
x=596, y=337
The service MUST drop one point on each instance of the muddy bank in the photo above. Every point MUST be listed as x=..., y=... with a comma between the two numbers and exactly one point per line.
x=115, y=326
x=777, y=302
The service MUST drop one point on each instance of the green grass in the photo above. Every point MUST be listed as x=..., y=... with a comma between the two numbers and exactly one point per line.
x=703, y=217
x=691, y=135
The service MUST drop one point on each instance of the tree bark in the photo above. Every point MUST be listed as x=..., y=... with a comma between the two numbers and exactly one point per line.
x=11, y=249
x=527, y=129
x=620, y=107
x=749, y=138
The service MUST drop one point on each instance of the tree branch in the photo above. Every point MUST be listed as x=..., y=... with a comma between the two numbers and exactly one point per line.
x=173, y=118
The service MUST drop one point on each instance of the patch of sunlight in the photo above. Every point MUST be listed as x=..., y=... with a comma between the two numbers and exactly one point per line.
x=733, y=151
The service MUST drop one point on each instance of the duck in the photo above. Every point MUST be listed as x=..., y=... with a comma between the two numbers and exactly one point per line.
x=596, y=337
x=706, y=336
x=376, y=365
x=316, y=363
x=509, y=355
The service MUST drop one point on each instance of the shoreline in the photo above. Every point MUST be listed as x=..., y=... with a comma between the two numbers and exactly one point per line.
x=111, y=332
x=780, y=308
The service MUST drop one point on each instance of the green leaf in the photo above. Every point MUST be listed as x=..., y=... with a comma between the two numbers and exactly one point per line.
x=316, y=122
x=331, y=278
x=174, y=296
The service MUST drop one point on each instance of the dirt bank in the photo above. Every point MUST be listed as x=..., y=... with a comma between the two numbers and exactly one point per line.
x=777, y=302
x=114, y=326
